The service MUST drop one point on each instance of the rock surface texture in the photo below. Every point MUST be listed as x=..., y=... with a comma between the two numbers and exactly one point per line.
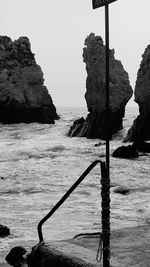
x=23, y=96
x=120, y=91
x=140, y=129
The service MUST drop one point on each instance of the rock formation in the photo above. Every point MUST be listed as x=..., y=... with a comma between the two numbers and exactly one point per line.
x=141, y=146
x=140, y=129
x=120, y=91
x=23, y=96
x=125, y=152
x=17, y=257
x=4, y=231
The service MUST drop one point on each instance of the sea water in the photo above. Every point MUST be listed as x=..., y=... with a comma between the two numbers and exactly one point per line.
x=38, y=164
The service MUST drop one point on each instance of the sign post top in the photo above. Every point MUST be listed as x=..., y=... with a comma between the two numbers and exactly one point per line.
x=100, y=3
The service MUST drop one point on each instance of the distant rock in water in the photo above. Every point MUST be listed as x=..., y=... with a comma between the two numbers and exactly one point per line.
x=140, y=129
x=141, y=146
x=23, y=96
x=4, y=231
x=120, y=91
x=125, y=152
x=123, y=190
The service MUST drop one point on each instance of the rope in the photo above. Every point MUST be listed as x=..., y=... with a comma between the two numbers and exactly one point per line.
x=100, y=249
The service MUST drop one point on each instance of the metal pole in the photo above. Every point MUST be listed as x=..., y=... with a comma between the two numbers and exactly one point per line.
x=106, y=177
x=107, y=86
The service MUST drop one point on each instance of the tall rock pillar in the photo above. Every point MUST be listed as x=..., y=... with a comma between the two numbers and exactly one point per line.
x=120, y=91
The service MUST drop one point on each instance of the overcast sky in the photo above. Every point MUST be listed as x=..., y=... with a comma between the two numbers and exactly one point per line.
x=57, y=30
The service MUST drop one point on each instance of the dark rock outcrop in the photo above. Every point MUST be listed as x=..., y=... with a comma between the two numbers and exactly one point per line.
x=4, y=231
x=125, y=152
x=141, y=146
x=78, y=128
x=120, y=91
x=23, y=96
x=140, y=129
x=16, y=256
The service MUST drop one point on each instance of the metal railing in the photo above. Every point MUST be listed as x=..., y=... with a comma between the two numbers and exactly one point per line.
x=105, y=204
x=66, y=195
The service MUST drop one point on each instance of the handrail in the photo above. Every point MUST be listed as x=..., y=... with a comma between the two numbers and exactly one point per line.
x=67, y=194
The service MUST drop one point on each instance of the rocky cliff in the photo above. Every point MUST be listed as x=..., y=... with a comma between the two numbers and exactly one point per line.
x=23, y=96
x=120, y=91
x=140, y=129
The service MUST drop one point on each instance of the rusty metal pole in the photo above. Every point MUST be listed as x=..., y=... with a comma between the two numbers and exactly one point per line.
x=106, y=177
x=105, y=180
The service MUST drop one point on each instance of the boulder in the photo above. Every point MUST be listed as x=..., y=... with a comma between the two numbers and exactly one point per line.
x=120, y=90
x=4, y=231
x=23, y=96
x=140, y=129
x=125, y=152
x=16, y=256
x=141, y=146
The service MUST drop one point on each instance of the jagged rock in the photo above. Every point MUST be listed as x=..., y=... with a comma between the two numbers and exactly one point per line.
x=77, y=128
x=125, y=152
x=120, y=90
x=4, y=231
x=23, y=96
x=140, y=129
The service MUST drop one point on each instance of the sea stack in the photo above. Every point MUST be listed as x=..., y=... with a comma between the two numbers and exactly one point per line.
x=140, y=129
x=23, y=96
x=94, y=125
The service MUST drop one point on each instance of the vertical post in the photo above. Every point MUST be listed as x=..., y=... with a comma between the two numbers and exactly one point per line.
x=107, y=86
x=106, y=176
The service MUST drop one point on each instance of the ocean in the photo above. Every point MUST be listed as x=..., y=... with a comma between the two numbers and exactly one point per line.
x=38, y=164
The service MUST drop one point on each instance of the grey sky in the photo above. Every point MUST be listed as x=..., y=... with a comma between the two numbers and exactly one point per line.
x=57, y=29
